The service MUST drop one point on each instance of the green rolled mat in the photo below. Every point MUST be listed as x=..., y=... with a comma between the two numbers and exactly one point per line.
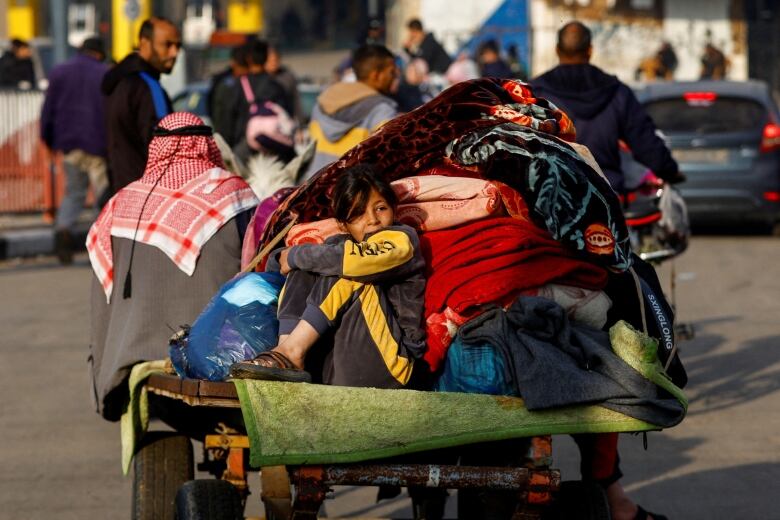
x=299, y=423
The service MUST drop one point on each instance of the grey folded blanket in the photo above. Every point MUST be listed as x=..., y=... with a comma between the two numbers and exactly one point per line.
x=555, y=363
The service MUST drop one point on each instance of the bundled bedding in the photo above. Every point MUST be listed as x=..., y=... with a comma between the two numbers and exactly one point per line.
x=521, y=234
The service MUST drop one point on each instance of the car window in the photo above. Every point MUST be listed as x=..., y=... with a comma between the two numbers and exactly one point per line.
x=705, y=113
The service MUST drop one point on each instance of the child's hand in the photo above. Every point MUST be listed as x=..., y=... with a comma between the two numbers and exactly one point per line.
x=284, y=266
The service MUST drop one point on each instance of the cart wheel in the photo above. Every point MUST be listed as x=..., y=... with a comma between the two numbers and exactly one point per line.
x=208, y=499
x=581, y=500
x=163, y=463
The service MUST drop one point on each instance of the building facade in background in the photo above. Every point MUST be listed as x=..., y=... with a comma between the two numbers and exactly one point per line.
x=625, y=32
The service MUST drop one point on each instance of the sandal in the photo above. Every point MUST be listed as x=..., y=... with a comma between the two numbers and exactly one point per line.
x=642, y=514
x=270, y=365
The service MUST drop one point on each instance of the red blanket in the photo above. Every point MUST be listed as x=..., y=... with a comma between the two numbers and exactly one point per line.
x=491, y=260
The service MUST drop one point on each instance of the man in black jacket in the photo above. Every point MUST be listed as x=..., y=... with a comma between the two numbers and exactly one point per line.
x=420, y=44
x=264, y=88
x=16, y=66
x=129, y=100
x=603, y=109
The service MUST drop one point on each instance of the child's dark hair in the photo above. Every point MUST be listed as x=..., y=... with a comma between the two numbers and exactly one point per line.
x=352, y=189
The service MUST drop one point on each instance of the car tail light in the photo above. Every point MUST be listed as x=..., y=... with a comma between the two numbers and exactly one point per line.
x=703, y=99
x=770, y=140
x=772, y=196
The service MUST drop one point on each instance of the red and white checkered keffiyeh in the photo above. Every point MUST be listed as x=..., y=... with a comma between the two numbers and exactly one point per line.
x=193, y=199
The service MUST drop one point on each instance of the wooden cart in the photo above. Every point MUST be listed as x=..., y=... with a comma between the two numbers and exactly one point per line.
x=532, y=488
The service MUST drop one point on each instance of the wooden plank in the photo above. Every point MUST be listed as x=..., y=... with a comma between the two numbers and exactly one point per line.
x=217, y=389
x=165, y=382
x=218, y=402
x=190, y=387
x=193, y=391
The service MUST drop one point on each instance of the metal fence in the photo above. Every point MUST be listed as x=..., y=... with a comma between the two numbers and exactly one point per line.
x=29, y=180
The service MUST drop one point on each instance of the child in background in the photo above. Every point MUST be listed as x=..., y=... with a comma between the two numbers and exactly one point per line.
x=366, y=286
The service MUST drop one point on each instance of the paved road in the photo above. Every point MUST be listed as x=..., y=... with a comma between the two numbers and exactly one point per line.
x=60, y=460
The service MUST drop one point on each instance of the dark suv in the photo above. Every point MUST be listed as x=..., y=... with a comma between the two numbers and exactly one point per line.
x=726, y=137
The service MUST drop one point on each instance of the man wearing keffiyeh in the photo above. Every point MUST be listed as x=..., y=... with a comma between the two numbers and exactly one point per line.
x=169, y=240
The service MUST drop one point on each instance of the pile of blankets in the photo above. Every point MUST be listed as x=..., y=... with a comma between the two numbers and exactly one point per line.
x=506, y=204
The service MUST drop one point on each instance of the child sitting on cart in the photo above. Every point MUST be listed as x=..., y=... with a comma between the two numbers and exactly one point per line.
x=365, y=287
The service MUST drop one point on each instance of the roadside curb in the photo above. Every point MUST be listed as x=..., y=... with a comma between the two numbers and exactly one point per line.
x=19, y=243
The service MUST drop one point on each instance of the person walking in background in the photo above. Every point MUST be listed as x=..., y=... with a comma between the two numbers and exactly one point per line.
x=668, y=60
x=519, y=70
x=659, y=66
x=375, y=32
x=16, y=66
x=223, y=88
x=348, y=112
x=714, y=64
x=261, y=87
x=420, y=44
x=603, y=109
x=73, y=122
x=135, y=101
x=490, y=63
x=414, y=88
x=286, y=78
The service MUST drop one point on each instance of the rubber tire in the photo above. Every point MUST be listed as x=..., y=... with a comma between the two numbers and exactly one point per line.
x=163, y=463
x=581, y=500
x=208, y=499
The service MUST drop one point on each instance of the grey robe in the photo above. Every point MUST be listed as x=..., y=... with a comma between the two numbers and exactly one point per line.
x=128, y=331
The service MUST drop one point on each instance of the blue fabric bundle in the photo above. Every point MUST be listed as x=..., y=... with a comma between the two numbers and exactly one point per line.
x=474, y=369
x=237, y=324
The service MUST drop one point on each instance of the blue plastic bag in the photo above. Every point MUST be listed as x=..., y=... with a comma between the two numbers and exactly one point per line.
x=237, y=324
x=474, y=369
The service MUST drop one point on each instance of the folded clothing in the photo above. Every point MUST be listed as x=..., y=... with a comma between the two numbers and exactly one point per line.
x=542, y=349
x=488, y=260
x=582, y=306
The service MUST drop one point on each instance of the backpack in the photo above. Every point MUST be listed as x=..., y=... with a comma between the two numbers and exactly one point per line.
x=650, y=313
x=158, y=96
x=269, y=125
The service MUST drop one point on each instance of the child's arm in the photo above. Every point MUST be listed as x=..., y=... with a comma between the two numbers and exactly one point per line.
x=390, y=254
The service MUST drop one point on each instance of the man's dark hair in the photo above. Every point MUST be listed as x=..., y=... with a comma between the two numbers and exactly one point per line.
x=240, y=54
x=368, y=58
x=257, y=52
x=353, y=188
x=16, y=43
x=95, y=45
x=415, y=24
x=574, y=40
x=488, y=45
x=147, y=27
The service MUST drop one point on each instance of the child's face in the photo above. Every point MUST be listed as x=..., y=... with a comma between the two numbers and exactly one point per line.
x=377, y=216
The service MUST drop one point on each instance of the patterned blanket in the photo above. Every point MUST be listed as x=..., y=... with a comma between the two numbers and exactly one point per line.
x=496, y=130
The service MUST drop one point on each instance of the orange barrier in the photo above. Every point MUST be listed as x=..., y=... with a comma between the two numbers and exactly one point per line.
x=30, y=179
